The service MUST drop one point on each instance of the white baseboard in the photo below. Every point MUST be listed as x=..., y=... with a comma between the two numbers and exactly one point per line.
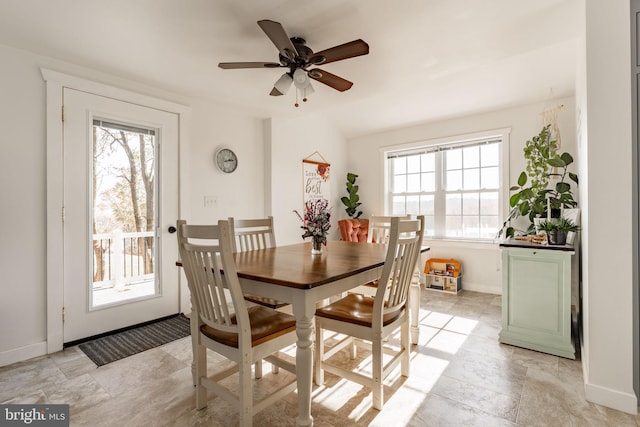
x=481, y=287
x=23, y=353
x=615, y=399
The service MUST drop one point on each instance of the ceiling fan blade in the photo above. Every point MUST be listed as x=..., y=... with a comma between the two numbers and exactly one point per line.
x=331, y=80
x=279, y=37
x=234, y=65
x=275, y=92
x=344, y=51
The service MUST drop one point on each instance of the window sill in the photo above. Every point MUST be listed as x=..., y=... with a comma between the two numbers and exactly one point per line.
x=460, y=243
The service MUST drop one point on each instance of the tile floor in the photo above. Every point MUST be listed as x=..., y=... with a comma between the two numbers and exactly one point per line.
x=460, y=376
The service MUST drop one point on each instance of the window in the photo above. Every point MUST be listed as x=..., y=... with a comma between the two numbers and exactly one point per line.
x=456, y=185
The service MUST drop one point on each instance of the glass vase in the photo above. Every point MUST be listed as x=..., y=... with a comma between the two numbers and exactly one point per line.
x=316, y=247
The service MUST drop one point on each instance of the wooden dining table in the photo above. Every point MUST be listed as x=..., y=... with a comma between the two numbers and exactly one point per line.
x=293, y=275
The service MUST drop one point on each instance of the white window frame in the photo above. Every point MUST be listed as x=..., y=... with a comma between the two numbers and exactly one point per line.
x=462, y=139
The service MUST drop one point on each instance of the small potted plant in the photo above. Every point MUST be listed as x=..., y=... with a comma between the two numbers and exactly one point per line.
x=562, y=227
x=557, y=230
x=353, y=201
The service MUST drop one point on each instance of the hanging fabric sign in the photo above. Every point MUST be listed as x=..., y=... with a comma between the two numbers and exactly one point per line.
x=315, y=175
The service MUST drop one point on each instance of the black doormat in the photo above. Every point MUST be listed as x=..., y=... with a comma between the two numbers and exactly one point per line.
x=123, y=344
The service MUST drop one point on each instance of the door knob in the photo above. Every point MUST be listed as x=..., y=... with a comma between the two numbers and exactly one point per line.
x=172, y=229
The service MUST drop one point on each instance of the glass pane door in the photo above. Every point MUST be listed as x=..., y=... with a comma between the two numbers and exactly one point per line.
x=123, y=213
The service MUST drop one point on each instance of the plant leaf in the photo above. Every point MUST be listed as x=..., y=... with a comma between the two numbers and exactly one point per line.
x=522, y=179
x=563, y=187
x=514, y=199
x=556, y=162
x=573, y=177
x=566, y=157
x=510, y=232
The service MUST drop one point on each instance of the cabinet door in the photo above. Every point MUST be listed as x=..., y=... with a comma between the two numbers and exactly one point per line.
x=536, y=293
x=536, y=300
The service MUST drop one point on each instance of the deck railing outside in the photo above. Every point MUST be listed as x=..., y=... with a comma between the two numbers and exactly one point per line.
x=121, y=259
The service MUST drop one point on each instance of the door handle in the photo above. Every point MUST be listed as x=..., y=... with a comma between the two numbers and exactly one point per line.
x=172, y=229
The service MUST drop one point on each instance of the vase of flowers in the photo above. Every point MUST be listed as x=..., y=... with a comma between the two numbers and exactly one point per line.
x=316, y=223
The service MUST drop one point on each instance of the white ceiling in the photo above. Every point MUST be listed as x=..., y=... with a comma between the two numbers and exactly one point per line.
x=429, y=59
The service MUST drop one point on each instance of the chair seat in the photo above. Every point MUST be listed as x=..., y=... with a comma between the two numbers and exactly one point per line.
x=356, y=309
x=266, y=324
x=264, y=301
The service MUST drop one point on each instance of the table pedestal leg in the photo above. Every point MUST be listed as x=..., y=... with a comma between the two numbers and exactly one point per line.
x=304, y=363
x=414, y=308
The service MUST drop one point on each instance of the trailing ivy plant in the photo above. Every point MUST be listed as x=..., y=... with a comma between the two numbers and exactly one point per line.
x=353, y=200
x=532, y=192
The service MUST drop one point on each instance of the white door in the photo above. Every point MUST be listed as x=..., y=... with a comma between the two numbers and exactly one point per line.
x=120, y=198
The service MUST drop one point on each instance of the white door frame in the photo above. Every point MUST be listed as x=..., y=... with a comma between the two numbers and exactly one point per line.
x=55, y=82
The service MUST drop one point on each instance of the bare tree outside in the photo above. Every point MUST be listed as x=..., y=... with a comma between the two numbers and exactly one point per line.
x=123, y=198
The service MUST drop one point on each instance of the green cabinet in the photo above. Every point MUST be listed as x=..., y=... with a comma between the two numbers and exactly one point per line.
x=536, y=298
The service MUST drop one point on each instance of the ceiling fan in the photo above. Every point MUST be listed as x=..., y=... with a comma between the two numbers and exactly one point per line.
x=298, y=58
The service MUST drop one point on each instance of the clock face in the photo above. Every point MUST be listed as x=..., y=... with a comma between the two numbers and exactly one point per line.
x=226, y=160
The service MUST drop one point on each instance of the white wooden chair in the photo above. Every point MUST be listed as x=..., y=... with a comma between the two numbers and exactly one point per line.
x=379, y=232
x=368, y=321
x=252, y=235
x=380, y=228
x=243, y=334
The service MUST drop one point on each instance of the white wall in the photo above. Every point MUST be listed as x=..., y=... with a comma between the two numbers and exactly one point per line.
x=23, y=328
x=23, y=204
x=292, y=140
x=604, y=99
x=480, y=261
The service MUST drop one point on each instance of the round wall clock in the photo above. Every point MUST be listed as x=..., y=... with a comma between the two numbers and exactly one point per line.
x=226, y=160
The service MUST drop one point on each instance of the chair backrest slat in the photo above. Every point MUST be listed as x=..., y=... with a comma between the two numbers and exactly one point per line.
x=405, y=240
x=252, y=234
x=205, y=251
x=380, y=228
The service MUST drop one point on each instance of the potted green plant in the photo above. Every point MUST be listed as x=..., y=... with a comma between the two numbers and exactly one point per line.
x=557, y=230
x=533, y=197
x=353, y=200
x=562, y=227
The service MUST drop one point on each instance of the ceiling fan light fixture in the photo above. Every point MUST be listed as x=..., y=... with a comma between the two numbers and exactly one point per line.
x=283, y=84
x=300, y=78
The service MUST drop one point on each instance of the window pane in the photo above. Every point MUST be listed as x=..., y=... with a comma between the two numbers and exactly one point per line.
x=398, y=205
x=470, y=204
x=454, y=204
x=471, y=179
x=490, y=154
x=465, y=178
x=413, y=205
x=399, y=184
x=428, y=162
x=454, y=226
x=429, y=181
x=413, y=164
x=454, y=158
x=413, y=183
x=454, y=180
x=470, y=226
x=490, y=177
x=489, y=226
x=471, y=157
x=400, y=165
x=429, y=225
x=426, y=205
x=489, y=203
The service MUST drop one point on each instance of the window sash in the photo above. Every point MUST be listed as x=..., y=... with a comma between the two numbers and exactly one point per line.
x=432, y=203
